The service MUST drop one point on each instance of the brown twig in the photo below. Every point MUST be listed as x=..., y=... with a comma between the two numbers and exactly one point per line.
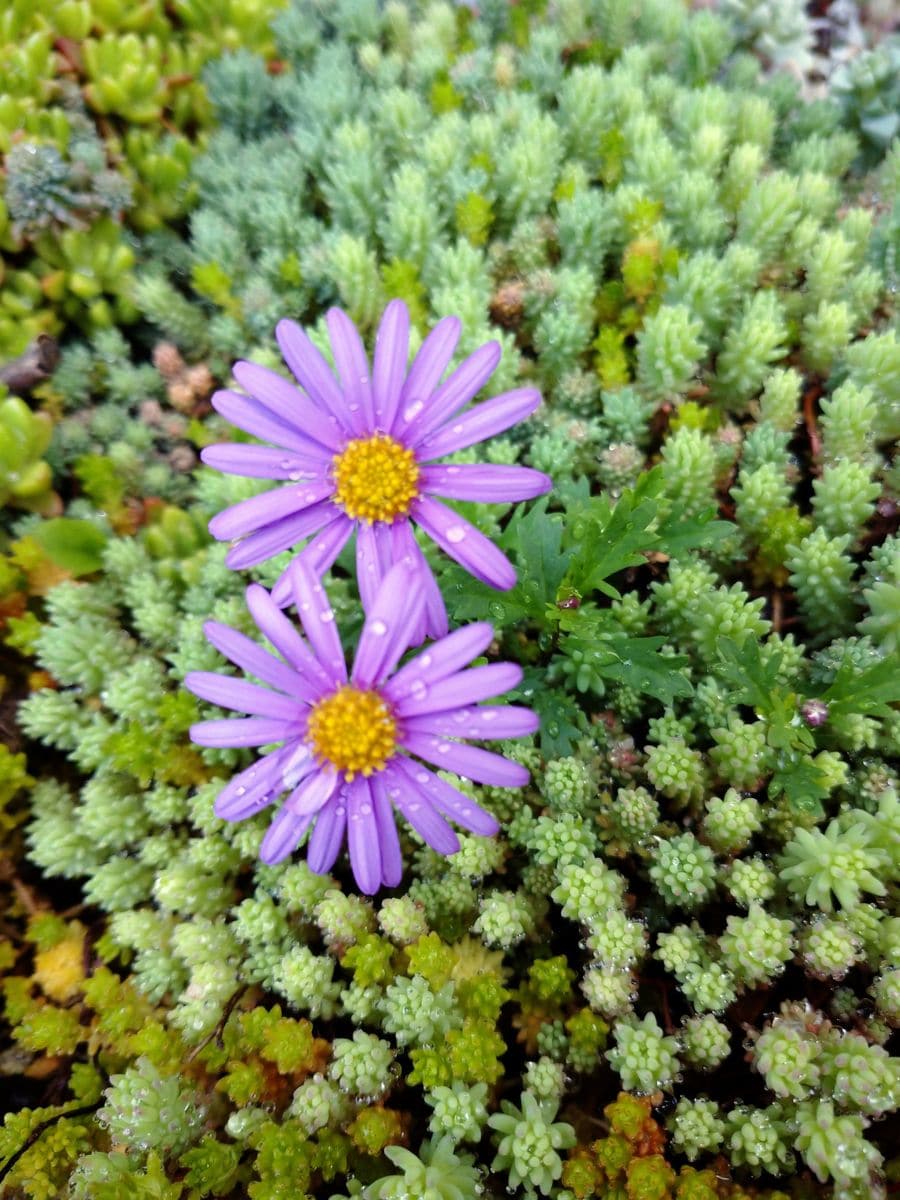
x=33, y=366
x=220, y=1027
x=82, y=1111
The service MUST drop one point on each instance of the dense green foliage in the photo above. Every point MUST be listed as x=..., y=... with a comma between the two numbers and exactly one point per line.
x=694, y=903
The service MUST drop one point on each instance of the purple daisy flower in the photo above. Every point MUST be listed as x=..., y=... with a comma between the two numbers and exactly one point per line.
x=358, y=453
x=350, y=747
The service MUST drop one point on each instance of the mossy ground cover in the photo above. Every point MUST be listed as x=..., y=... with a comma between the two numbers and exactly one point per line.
x=676, y=971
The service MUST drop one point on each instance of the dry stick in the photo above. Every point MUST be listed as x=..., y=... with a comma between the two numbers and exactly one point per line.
x=220, y=1026
x=33, y=366
x=39, y=1129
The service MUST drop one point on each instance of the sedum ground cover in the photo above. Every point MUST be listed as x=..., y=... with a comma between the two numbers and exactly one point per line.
x=675, y=973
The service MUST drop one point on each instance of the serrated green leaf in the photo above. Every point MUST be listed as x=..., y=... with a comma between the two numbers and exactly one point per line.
x=533, y=538
x=872, y=690
x=636, y=662
x=802, y=783
x=753, y=679
x=563, y=723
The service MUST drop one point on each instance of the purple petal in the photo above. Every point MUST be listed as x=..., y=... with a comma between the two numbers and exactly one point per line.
x=374, y=556
x=353, y=370
x=385, y=636
x=286, y=640
x=456, y=691
x=389, y=366
x=288, y=405
x=453, y=803
x=261, y=462
x=257, y=512
x=493, y=722
x=317, y=617
x=253, y=417
x=405, y=792
x=250, y=657
x=433, y=622
x=363, y=839
x=244, y=731
x=320, y=552
x=315, y=376
x=391, y=856
x=239, y=696
x=328, y=835
x=483, y=421
x=280, y=535
x=465, y=382
x=471, y=761
x=314, y=793
x=464, y=543
x=253, y=789
x=283, y=836
x=489, y=484
x=444, y=658
x=427, y=371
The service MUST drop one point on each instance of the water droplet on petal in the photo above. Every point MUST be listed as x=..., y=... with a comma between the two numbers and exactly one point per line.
x=455, y=534
x=488, y=714
x=410, y=413
x=378, y=628
x=421, y=777
x=326, y=616
x=425, y=660
x=365, y=810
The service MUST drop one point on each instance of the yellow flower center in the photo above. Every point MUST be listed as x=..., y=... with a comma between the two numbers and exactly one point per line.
x=376, y=479
x=353, y=730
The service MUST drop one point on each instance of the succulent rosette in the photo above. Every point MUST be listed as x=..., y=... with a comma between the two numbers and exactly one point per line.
x=351, y=748
x=357, y=452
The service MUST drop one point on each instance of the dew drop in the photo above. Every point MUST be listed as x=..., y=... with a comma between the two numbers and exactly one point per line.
x=410, y=413
x=488, y=714
x=327, y=616
x=295, y=475
x=378, y=628
x=421, y=777
x=365, y=810
x=425, y=660
x=455, y=534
